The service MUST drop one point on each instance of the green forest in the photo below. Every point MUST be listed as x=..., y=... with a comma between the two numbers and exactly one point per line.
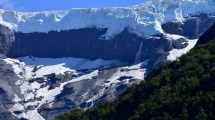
x=180, y=90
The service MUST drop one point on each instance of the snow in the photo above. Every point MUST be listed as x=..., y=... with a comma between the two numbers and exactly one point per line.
x=32, y=90
x=17, y=107
x=135, y=72
x=39, y=67
x=173, y=36
x=176, y=53
x=16, y=98
x=16, y=66
x=72, y=63
x=48, y=96
x=144, y=19
x=33, y=115
x=28, y=68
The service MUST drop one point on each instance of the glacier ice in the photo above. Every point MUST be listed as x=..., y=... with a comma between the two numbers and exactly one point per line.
x=144, y=19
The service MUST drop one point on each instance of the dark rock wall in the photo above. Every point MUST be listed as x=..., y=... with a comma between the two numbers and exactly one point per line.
x=6, y=40
x=87, y=43
x=81, y=43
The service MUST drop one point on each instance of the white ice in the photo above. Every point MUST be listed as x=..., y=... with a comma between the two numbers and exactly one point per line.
x=144, y=19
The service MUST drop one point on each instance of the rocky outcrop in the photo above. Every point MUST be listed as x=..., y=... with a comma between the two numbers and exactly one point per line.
x=192, y=28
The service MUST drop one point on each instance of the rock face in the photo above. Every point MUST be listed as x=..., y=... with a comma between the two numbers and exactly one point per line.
x=81, y=43
x=7, y=38
x=199, y=23
x=86, y=43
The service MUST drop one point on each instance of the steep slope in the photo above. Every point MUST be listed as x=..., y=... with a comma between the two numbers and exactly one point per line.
x=183, y=89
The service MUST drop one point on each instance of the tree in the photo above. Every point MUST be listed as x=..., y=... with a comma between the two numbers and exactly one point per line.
x=201, y=115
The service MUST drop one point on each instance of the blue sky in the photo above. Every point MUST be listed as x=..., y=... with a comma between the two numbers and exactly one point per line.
x=45, y=5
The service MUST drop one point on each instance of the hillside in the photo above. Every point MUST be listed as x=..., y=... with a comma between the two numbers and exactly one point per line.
x=181, y=90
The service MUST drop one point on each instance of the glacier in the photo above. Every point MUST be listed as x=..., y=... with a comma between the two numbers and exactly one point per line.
x=144, y=19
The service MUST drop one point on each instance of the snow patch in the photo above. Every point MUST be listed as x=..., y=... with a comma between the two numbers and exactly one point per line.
x=39, y=67
x=173, y=36
x=176, y=53
x=134, y=72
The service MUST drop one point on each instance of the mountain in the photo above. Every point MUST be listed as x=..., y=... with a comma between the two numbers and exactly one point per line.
x=180, y=90
x=55, y=61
